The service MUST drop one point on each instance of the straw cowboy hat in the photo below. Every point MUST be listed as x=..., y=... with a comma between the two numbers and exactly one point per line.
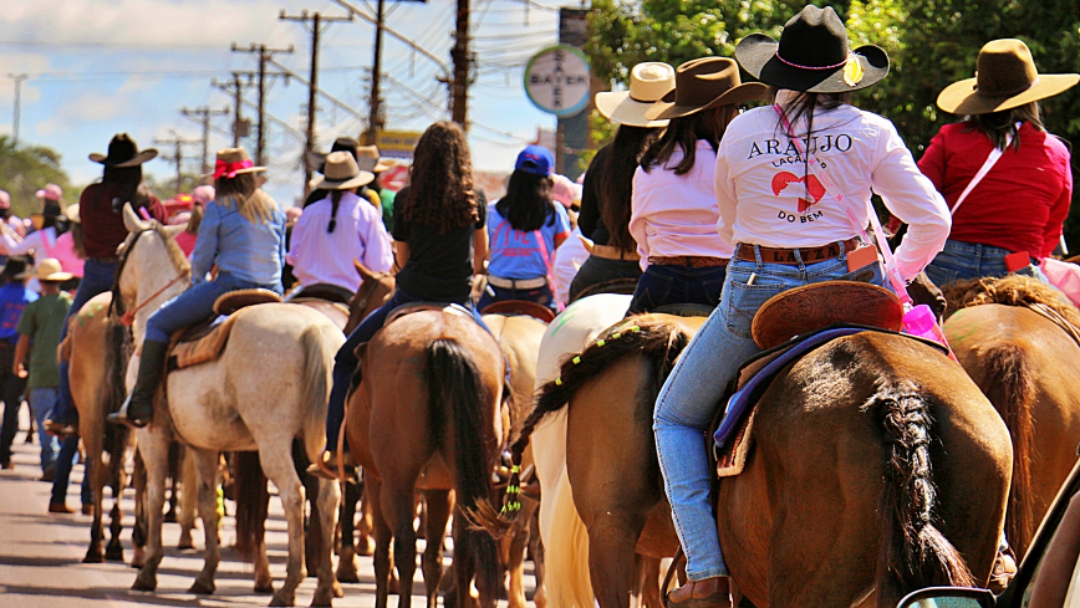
x=342, y=173
x=649, y=82
x=123, y=153
x=703, y=84
x=369, y=160
x=49, y=269
x=1005, y=78
x=812, y=56
x=232, y=162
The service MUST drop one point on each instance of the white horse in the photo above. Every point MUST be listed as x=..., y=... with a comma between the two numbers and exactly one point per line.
x=269, y=386
x=566, y=541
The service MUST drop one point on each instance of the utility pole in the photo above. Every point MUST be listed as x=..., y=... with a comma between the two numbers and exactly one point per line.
x=375, y=123
x=318, y=23
x=203, y=114
x=178, y=157
x=459, y=94
x=265, y=53
x=18, y=78
x=235, y=87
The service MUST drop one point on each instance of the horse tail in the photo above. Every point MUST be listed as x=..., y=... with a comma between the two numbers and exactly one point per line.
x=114, y=389
x=315, y=383
x=914, y=554
x=658, y=340
x=252, y=502
x=453, y=380
x=1012, y=393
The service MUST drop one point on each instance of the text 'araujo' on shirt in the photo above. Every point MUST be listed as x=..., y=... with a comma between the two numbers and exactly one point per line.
x=519, y=255
x=767, y=198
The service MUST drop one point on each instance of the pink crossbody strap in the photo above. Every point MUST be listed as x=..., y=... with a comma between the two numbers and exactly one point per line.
x=548, y=264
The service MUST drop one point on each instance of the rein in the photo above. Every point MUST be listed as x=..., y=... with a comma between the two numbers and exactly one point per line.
x=128, y=318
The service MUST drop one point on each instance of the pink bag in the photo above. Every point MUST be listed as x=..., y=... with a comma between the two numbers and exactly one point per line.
x=1065, y=276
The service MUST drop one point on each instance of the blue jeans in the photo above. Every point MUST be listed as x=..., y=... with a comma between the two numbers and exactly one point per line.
x=691, y=395
x=663, y=285
x=97, y=279
x=12, y=388
x=194, y=305
x=42, y=401
x=345, y=361
x=69, y=450
x=960, y=261
x=540, y=295
x=601, y=270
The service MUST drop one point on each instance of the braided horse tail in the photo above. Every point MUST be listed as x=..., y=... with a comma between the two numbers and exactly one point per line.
x=660, y=341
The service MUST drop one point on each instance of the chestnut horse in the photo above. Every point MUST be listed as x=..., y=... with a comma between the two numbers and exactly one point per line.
x=879, y=468
x=429, y=403
x=1022, y=360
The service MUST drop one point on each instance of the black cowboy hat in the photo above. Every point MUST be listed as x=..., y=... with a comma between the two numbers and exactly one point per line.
x=812, y=56
x=16, y=268
x=123, y=152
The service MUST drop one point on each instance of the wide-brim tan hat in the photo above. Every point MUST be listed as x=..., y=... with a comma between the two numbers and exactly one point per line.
x=232, y=162
x=50, y=269
x=1005, y=78
x=703, y=84
x=72, y=213
x=342, y=173
x=368, y=158
x=649, y=82
x=123, y=153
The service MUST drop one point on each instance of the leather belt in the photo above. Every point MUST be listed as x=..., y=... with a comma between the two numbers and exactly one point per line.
x=690, y=261
x=808, y=255
x=112, y=260
x=614, y=253
x=502, y=283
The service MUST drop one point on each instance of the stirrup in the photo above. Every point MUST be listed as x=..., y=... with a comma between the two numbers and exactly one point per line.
x=122, y=417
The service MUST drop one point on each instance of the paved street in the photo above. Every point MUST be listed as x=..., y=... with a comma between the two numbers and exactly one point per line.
x=41, y=555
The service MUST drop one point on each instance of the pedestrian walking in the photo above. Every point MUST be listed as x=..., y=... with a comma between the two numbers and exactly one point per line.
x=14, y=296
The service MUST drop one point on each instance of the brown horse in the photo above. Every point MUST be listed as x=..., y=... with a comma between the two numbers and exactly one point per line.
x=429, y=404
x=836, y=506
x=1022, y=360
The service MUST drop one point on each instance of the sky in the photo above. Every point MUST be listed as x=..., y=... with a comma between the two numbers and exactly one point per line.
x=100, y=67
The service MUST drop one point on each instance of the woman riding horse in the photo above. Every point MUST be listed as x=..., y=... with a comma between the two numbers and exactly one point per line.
x=793, y=226
x=243, y=233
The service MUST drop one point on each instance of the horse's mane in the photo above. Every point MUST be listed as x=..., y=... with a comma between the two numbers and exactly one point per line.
x=1011, y=290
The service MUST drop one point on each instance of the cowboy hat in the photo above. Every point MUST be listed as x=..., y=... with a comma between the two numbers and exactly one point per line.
x=72, y=213
x=15, y=268
x=1005, y=78
x=649, y=81
x=703, y=84
x=812, y=56
x=123, y=153
x=50, y=269
x=232, y=162
x=342, y=173
x=369, y=160
x=315, y=160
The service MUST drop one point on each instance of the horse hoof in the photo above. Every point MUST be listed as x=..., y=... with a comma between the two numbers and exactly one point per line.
x=185, y=546
x=281, y=600
x=323, y=597
x=114, y=554
x=365, y=547
x=141, y=585
x=338, y=591
x=170, y=517
x=200, y=587
x=138, y=560
x=93, y=558
x=346, y=572
x=264, y=589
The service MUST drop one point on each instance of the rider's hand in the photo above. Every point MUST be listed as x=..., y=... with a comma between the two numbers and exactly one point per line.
x=20, y=370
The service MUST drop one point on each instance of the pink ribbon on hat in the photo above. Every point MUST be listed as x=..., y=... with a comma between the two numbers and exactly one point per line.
x=230, y=169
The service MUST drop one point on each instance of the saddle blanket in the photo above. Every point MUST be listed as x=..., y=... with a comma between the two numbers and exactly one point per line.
x=203, y=345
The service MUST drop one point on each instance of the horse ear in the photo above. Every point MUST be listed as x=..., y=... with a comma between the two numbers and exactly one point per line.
x=172, y=231
x=364, y=272
x=131, y=219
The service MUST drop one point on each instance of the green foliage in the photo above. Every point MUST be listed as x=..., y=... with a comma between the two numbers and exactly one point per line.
x=166, y=187
x=26, y=169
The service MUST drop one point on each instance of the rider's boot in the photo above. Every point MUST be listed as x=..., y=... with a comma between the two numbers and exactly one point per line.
x=708, y=593
x=138, y=408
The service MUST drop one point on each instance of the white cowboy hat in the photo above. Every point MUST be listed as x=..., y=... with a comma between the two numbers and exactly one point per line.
x=649, y=82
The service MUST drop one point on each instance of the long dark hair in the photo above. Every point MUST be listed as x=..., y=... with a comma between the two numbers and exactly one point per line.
x=129, y=182
x=527, y=204
x=441, y=193
x=998, y=126
x=617, y=182
x=683, y=133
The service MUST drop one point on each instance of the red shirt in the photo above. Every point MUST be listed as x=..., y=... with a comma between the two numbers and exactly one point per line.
x=103, y=229
x=1020, y=205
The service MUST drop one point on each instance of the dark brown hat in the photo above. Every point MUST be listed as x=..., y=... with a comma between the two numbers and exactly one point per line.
x=123, y=152
x=812, y=56
x=703, y=84
x=1005, y=78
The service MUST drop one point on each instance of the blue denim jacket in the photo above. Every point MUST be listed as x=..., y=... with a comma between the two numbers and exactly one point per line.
x=254, y=253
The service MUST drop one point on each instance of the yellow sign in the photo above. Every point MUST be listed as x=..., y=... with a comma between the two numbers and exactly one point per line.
x=397, y=144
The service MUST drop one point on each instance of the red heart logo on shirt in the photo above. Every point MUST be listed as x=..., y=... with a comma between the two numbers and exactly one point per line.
x=814, y=187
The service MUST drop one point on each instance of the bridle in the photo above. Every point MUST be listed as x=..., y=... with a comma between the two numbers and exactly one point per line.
x=127, y=317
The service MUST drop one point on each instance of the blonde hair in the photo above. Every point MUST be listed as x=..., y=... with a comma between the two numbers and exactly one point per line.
x=252, y=203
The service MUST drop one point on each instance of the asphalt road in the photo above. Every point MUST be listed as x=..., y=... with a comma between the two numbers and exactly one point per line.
x=41, y=555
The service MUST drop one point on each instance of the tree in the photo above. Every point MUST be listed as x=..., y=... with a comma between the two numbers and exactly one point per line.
x=26, y=169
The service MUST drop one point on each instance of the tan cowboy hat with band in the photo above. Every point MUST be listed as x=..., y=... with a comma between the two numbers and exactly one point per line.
x=342, y=173
x=123, y=153
x=232, y=162
x=1005, y=78
x=649, y=82
x=50, y=269
x=703, y=84
x=367, y=157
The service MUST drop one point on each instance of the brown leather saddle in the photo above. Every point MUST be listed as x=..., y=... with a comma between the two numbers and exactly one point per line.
x=805, y=309
x=322, y=291
x=204, y=341
x=520, y=307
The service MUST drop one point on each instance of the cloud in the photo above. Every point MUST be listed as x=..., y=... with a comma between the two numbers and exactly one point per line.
x=93, y=106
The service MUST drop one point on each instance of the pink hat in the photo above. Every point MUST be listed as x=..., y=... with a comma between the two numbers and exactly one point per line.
x=565, y=191
x=203, y=194
x=5, y=200
x=50, y=192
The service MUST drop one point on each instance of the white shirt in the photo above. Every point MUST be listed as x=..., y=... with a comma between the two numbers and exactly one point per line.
x=568, y=260
x=318, y=256
x=766, y=199
x=672, y=215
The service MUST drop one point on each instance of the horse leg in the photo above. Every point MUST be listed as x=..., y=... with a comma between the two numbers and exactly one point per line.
x=397, y=502
x=327, y=509
x=517, y=541
x=649, y=582
x=206, y=465
x=346, y=570
x=439, y=505
x=383, y=537
x=536, y=550
x=93, y=438
x=278, y=465
x=312, y=533
x=138, y=530
x=365, y=527
x=188, y=500
x=176, y=454
x=154, y=447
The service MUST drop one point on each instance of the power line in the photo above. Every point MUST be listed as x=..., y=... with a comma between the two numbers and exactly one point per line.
x=265, y=54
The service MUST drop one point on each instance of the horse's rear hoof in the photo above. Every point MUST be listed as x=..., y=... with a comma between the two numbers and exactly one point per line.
x=264, y=589
x=93, y=557
x=346, y=572
x=185, y=546
x=140, y=585
x=200, y=587
x=114, y=554
x=281, y=600
x=323, y=597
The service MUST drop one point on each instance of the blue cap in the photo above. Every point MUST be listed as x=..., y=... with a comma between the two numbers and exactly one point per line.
x=536, y=160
